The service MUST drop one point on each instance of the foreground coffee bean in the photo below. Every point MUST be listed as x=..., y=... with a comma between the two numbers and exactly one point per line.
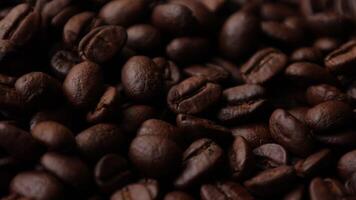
x=270, y=155
x=342, y=59
x=224, y=191
x=146, y=189
x=241, y=159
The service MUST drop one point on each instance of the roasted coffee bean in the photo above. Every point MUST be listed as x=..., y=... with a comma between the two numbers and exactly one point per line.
x=143, y=38
x=20, y=24
x=263, y=66
x=38, y=89
x=276, y=11
x=171, y=71
x=320, y=93
x=83, y=84
x=200, y=159
x=299, y=113
x=344, y=138
x=210, y=72
x=346, y=166
x=51, y=9
x=62, y=115
x=350, y=184
x=270, y=155
x=256, y=134
x=234, y=73
x=271, y=181
x=214, y=6
x=290, y=133
x=242, y=103
x=328, y=23
x=296, y=194
x=37, y=185
x=142, y=79
x=178, y=195
x=193, y=95
x=308, y=73
x=111, y=172
x=7, y=80
x=307, y=54
x=155, y=155
x=10, y=98
x=102, y=43
x=62, y=62
x=99, y=140
x=241, y=159
x=173, y=18
x=159, y=128
x=10, y=136
x=188, y=49
x=145, y=190
x=224, y=191
x=107, y=107
x=202, y=128
x=351, y=92
x=328, y=115
x=59, y=20
x=123, y=13
x=54, y=136
x=282, y=33
x=326, y=44
x=239, y=34
x=321, y=189
x=78, y=26
x=315, y=164
x=71, y=170
x=341, y=59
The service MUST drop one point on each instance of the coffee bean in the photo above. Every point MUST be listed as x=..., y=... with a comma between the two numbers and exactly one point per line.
x=320, y=93
x=271, y=181
x=62, y=115
x=11, y=99
x=239, y=34
x=263, y=66
x=62, y=62
x=145, y=190
x=51, y=9
x=344, y=138
x=326, y=44
x=143, y=38
x=20, y=24
x=99, y=140
x=37, y=185
x=54, y=136
x=296, y=194
x=7, y=80
x=159, y=128
x=142, y=79
x=193, y=95
x=319, y=189
x=290, y=133
x=224, y=191
x=60, y=19
x=346, y=166
x=155, y=156
x=178, y=195
x=171, y=72
x=299, y=113
x=341, y=59
x=200, y=159
x=350, y=184
x=214, y=5
x=71, y=170
x=328, y=115
x=111, y=172
x=281, y=33
x=328, y=23
x=351, y=92
x=256, y=134
x=270, y=155
x=234, y=73
x=102, y=43
x=241, y=159
x=315, y=164
x=276, y=11
x=83, y=84
x=210, y=72
x=307, y=54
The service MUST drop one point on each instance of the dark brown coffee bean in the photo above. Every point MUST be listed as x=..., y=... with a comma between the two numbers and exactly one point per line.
x=107, y=107
x=282, y=33
x=342, y=59
x=234, y=72
x=242, y=103
x=123, y=13
x=159, y=128
x=239, y=34
x=299, y=113
x=154, y=155
x=276, y=11
x=308, y=73
x=214, y=5
x=200, y=159
x=38, y=89
x=271, y=181
x=315, y=164
x=346, y=166
x=319, y=189
x=62, y=115
x=270, y=155
x=142, y=79
x=328, y=115
x=263, y=66
x=20, y=24
x=62, y=62
x=290, y=133
x=37, y=185
x=307, y=54
x=224, y=191
x=7, y=80
x=83, y=84
x=296, y=194
x=210, y=72
x=350, y=184
x=172, y=18
x=344, y=138
x=10, y=99
x=143, y=38
x=178, y=195
x=78, y=26
x=60, y=19
x=111, y=172
x=328, y=23
x=99, y=140
x=171, y=71
x=351, y=92
x=102, y=43
x=11, y=137
x=326, y=44
x=202, y=128
x=256, y=134
x=320, y=93
x=146, y=190
x=188, y=49
x=54, y=136
x=15, y=197
x=71, y=170
x=133, y=116
x=193, y=95
x=241, y=159
x=50, y=9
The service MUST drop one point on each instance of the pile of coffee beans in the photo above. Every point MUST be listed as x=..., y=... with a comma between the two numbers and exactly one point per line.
x=177, y=99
